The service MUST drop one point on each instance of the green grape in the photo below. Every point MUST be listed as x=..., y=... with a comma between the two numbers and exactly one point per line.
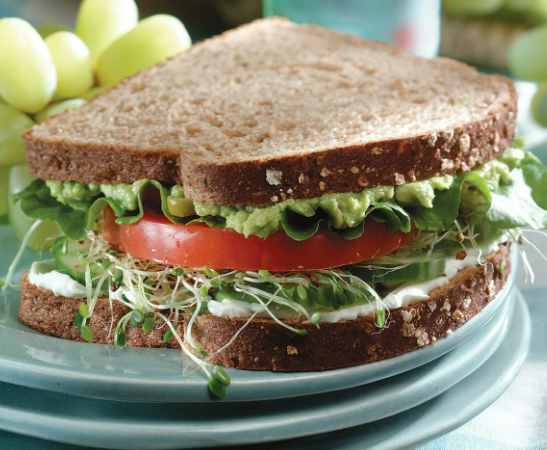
x=472, y=7
x=527, y=55
x=58, y=108
x=12, y=125
x=20, y=178
x=152, y=40
x=93, y=92
x=28, y=78
x=73, y=63
x=4, y=175
x=538, y=7
x=529, y=7
x=539, y=105
x=49, y=28
x=101, y=22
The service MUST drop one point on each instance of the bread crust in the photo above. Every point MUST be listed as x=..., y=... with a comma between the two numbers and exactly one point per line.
x=341, y=168
x=265, y=345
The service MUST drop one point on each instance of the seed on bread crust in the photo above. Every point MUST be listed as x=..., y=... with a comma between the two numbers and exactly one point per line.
x=464, y=142
x=408, y=330
x=292, y=350
x=432, y=139
x=448, y=134
x=325, y=172
x=274, y=177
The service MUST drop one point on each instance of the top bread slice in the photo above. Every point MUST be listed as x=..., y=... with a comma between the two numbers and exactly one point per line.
x=273, y=110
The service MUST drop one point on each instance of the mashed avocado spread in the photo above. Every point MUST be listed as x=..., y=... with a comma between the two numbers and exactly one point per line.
x=73, y=194
x=344, y=210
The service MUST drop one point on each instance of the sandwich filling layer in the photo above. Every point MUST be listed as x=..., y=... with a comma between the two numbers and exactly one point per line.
x=44, y=274
x=432, y=204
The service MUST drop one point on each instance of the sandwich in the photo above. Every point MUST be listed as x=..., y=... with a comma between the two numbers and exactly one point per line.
x=280, y=197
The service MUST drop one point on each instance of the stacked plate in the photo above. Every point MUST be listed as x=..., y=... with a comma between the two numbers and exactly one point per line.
x=93, y=395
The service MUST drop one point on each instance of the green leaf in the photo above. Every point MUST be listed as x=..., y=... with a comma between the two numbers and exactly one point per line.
x=120, y=338
x=222, y=375
x=149, y=325
x=446, y=205
x=394, y=215
x=37, y=203
x=83, y=310
x=469, y=195
x=514, y=205
x=349, y=233
x=136, y=318
x=316, y=318
x=200, y=352
x=168, y=335
x=78, y=319
x=535, y=176
x=211, y=221
x=137, y=215
x=87, y=334
x=340, y=296
x=97, y=208
x=286, y=293
x=217, y=388
x=299, y=227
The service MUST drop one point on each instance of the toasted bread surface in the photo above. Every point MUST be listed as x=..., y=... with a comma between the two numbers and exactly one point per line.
x=265, y=345
x=273, y=110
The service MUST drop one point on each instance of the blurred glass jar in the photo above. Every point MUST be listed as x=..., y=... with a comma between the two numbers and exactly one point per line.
x=411, y=25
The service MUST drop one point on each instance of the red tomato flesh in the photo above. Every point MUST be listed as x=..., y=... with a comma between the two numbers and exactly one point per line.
x=156, y=238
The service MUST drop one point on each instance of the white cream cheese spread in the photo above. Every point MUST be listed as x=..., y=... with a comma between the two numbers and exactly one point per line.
x=43, y=274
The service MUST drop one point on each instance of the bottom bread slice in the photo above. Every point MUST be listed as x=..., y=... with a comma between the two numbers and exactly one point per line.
x=265, y=345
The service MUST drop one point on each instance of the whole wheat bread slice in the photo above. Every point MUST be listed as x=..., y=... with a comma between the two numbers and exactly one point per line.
x=273, y=110
x=265, y=345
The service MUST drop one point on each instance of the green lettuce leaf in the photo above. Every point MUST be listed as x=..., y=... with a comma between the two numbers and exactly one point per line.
x=535, y=176
x=300, y=228
x=514, y=204
x=349, y=233
x=446, y=205
x=395, y=216
x=38, y=203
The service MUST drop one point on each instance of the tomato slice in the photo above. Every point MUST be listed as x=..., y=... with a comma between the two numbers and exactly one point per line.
x=155, y=238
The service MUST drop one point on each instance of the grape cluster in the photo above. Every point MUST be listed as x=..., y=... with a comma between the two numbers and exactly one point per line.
x=523, y=10
x=528, y=60
x=527, y=57
x=50, y=69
